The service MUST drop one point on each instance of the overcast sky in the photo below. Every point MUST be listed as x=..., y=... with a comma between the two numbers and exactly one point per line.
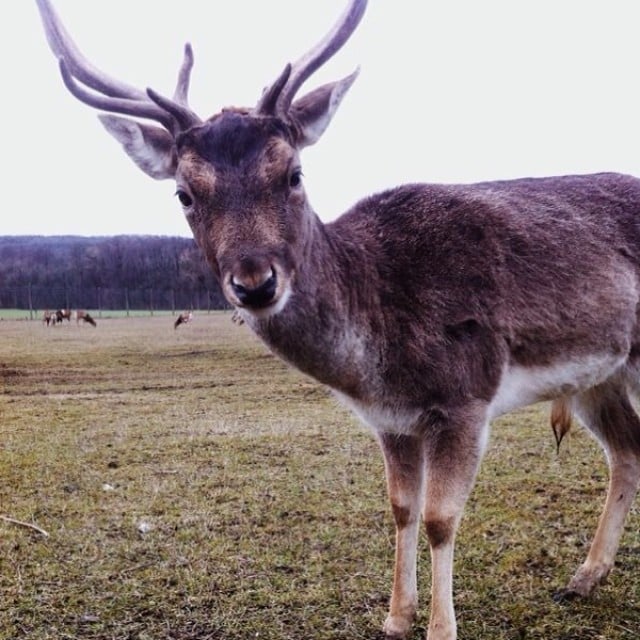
x=449, y=91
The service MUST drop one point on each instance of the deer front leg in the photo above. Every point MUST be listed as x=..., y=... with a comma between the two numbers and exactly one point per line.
x=404, y=466
x=452, y=460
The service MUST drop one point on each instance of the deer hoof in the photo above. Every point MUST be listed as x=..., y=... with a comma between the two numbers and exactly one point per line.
x=564, y=596
x=397, y=627
x=587, y=578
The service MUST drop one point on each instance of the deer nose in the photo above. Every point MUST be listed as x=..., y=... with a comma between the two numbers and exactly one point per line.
x=255, y=295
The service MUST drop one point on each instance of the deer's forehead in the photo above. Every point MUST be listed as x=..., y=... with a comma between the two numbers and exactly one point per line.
x=232, y=141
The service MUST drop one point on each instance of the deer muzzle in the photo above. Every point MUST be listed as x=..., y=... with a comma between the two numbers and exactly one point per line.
x=256, y=293
x=258, y=284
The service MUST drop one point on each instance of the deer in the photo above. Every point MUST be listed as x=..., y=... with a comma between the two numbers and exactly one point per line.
x=184, y=318
x=63, y=314
x=85, y=316
x=428, y=309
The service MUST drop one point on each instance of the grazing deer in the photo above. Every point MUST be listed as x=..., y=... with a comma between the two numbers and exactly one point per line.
x=85, y=316
x=428, y=309
x=236, y=317
x=183, y=318
x=63, y=314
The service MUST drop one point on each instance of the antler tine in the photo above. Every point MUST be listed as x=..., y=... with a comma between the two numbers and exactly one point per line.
x=179, y=106
x=64, y=47
x=127, y=106
x=181, y=94
x=113, y=95
x=182, y=115
x=268, y=101
x=316, y=57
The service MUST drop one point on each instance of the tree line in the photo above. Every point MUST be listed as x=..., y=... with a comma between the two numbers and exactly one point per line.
x=118, y=272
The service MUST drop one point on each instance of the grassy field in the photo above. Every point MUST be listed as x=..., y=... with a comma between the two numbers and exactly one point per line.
x=37, y=314
x=195, y=488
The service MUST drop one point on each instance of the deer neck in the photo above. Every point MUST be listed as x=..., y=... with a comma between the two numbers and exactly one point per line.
x=320, y=331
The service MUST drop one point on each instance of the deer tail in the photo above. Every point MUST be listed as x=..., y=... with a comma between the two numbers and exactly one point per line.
x=560, y=419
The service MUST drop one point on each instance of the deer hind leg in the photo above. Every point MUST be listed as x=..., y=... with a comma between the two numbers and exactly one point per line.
x=452, y=461
x=404, y=466
x=608, y=414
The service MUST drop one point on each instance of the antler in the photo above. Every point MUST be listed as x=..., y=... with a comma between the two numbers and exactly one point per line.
x=277, y=99
x=114, y=95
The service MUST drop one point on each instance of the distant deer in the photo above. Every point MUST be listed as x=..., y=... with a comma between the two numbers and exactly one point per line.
x=85, y=316
x=48, y=317
x=428, y=309
x=63, y=314
x=236, y=317
x=183, y=318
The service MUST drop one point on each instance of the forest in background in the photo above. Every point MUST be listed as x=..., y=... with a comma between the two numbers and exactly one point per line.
x=115, y=272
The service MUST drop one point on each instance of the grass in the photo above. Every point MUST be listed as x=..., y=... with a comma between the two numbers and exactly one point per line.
x=195, y=488
x=37, y=314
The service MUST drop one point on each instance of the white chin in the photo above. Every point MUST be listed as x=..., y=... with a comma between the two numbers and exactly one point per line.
x=267, y=312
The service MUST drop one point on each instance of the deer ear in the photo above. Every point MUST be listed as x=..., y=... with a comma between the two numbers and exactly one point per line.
x=314, y=112
x=151, y=148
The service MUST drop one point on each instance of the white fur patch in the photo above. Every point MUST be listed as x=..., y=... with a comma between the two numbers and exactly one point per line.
x=521, y=386
x=381, y=418
x=249, y=314
x=351, y=346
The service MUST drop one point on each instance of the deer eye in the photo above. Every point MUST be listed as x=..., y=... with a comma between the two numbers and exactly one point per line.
x=295, y=180
x=185, y=199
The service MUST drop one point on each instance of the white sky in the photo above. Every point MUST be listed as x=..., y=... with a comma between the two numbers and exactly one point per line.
x=449, y=91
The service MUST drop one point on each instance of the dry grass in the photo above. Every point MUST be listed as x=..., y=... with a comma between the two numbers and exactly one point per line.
x=194, y=488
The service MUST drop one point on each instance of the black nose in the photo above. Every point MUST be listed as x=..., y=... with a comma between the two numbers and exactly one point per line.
x=257, y=297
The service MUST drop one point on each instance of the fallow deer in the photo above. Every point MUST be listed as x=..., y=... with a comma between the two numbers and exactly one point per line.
x=85, y=316
x=183, y=318
x=63, y=314
x=429, y=309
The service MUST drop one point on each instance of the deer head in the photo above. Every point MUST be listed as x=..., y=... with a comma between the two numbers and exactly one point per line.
x=238, y=174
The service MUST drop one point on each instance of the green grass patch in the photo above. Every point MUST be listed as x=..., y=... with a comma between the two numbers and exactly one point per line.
x=18, y=314
x=194, y=487
x=37, y=314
